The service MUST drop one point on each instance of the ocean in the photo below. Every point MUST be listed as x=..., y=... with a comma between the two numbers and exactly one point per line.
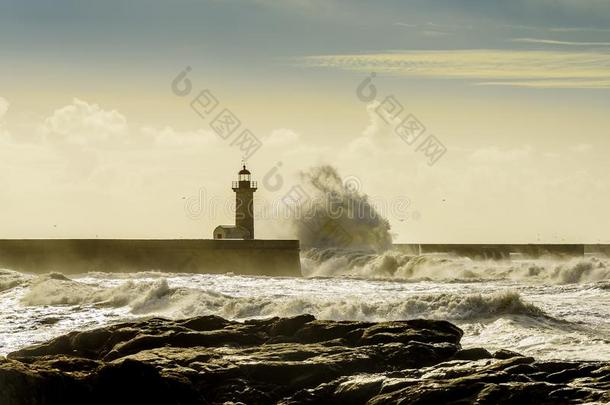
x=549, y=308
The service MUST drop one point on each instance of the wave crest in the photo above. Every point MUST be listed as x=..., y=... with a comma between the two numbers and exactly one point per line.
x=158, y=298
x=56, y=289
x=444, y=267
x=10, y=279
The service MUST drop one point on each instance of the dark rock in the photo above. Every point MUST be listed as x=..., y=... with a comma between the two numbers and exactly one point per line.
x=527, y=369
x=475, y=353
x=50, y=320
x=295, y=360
x=505, y=354
x=320, y=331
x=555, y=366
x=569, y=374
x=204, y=323
x=142, y=383
x=289, y=326
x=418, y=330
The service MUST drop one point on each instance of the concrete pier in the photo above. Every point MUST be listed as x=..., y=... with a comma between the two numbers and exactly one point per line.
x=500, y=251
x=70, y=256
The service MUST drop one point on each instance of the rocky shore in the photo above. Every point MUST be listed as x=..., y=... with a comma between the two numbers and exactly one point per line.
x=289, y=361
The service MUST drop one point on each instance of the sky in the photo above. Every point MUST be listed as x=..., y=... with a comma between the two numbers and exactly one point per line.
x=100, y=136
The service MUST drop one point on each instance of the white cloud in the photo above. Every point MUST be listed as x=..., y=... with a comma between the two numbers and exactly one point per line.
x=3, y=107
x=316, y=7
x=82, y=123
x=380, y=124
x=168, y=137
x=407, y=25
x=578, y=29
x=5, y=136
x=552, y=84
x=556, y=42
x=434, y=34
x=281, y=137
x=542, y=69
x=139, y=188
x=378, y=138
x=496, y=154
x=583, y=147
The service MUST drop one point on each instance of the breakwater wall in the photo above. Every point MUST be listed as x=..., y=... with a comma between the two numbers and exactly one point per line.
x=70, y=256
x=504, y=251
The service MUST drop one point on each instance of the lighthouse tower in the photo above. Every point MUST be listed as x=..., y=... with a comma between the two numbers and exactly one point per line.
x=244, y=196
x=244, y=210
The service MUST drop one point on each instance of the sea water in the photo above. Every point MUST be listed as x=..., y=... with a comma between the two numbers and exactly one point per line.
x=549, y=308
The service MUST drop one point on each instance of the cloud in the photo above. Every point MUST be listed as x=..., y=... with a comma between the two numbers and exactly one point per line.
x=433, y=30
x=543, y=69
x=168, y=137
x=5, y=136
x=292, y=3
x=434, y=34
x=553, y=29
x=552, y=84
x=583, y=147
x=407, y=25
x=316, y=7
x=82, y=123
x=3, y=107
x=380, y=124
x=555, y=42
x=578, y=29
x=281, y=137
x=495, y=154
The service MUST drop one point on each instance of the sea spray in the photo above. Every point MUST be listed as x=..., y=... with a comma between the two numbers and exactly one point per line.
x=10, y=279
x=337, y=215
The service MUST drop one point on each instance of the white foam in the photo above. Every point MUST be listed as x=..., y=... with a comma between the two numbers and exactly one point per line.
x=546, y=308
x=156, y=297
x=10, y=279
x=443, y=267
x=58, y=290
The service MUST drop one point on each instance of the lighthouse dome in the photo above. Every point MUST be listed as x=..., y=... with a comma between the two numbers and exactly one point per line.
x=244, y=170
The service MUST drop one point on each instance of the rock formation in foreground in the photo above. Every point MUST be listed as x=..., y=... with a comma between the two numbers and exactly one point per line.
x=286, y=360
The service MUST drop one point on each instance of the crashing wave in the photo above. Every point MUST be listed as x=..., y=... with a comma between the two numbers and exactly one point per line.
x=157, y=297
x=444, y=267
x=56, y=289
x=336, y=213
x=11, y=279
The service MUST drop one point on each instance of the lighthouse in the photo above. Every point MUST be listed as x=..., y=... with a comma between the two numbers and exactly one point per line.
x=244, y=189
